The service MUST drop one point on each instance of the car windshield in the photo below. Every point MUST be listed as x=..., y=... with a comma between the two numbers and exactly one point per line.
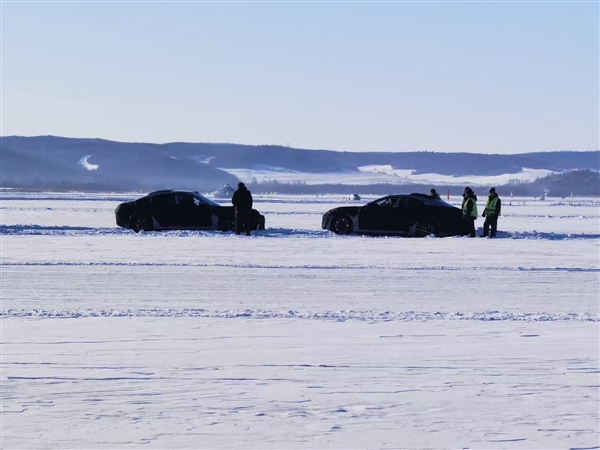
x=386, y=202
x=204, y=201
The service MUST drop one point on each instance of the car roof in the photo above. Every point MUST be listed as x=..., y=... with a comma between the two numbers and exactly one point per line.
x=425, y=197
x=419, y=195
x=414, y=194
x=171, y=191
x=181, y=191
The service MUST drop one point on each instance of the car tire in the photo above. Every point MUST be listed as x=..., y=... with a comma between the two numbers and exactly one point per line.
x=226, y=224
x=342, y=224
x=427, y=229
x=139, y=223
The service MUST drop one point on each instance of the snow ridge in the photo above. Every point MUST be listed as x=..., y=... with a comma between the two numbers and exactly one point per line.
x=32, y=229
x=371, y=316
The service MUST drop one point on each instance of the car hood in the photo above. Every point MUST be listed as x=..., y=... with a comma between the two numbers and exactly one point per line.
x=344, y=210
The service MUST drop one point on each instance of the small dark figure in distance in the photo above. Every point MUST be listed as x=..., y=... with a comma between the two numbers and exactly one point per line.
x=242, y=200
x=469, y=210
x=433, y=193
x=491, y=213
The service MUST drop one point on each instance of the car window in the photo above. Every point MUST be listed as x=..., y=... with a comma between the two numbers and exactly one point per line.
x=187, y=200
x=200, y=199
x=409, y=203
x=387, y=202
x=164, y=200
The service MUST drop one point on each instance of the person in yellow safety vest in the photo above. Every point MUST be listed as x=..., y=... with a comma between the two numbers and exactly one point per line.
x=493, y=204
x=469, y=210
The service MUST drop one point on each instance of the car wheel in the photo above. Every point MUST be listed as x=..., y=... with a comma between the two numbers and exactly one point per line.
x=427, y=229
x=140, y=223
x=342, y=224
x=226, y=224
x=261, y=224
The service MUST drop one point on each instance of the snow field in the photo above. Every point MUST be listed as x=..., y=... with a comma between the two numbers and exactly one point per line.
x=295, y=337
x=239, y=383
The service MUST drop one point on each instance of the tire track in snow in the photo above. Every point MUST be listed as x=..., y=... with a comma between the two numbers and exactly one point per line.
x=35, y=230
x=550, y=216
x=301, y=266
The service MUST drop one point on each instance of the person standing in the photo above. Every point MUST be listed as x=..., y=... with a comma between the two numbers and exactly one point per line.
x=469, y=210
x=242, y=201
x=433, y=193
x=493, y=204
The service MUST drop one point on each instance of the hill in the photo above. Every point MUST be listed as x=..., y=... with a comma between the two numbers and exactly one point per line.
x=51, y=162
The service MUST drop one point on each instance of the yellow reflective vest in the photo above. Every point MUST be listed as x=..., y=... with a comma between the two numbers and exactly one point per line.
x=490, y=207
x=473, y=211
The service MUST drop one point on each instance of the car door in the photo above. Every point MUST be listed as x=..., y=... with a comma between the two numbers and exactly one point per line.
x=165, y=210
x=379, y=216
x=409, y=214
x=194, y=212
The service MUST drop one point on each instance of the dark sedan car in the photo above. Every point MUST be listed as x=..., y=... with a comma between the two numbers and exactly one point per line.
x=180, y=210
x=403, y=215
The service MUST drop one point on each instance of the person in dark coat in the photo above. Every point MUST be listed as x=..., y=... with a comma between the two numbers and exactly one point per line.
x=491, y=213
x=433, y=193
x=242, y=200
x=469, y=210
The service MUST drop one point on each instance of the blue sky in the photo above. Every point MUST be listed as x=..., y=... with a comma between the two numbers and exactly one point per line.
x=485, y=77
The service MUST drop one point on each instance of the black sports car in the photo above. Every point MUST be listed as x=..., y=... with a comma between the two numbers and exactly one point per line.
x=180, y=210
x=403, y=215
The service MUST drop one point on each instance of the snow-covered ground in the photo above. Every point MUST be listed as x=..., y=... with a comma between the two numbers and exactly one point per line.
x=295, y=337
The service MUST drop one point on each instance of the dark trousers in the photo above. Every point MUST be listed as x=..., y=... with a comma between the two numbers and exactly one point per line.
x=242, y=221
x=490, y=221
x=470, y=228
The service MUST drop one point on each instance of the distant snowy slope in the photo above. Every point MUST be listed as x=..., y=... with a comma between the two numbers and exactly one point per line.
x=60, y=163
x=68, y=163
x=366, y=175
x=84, y=161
